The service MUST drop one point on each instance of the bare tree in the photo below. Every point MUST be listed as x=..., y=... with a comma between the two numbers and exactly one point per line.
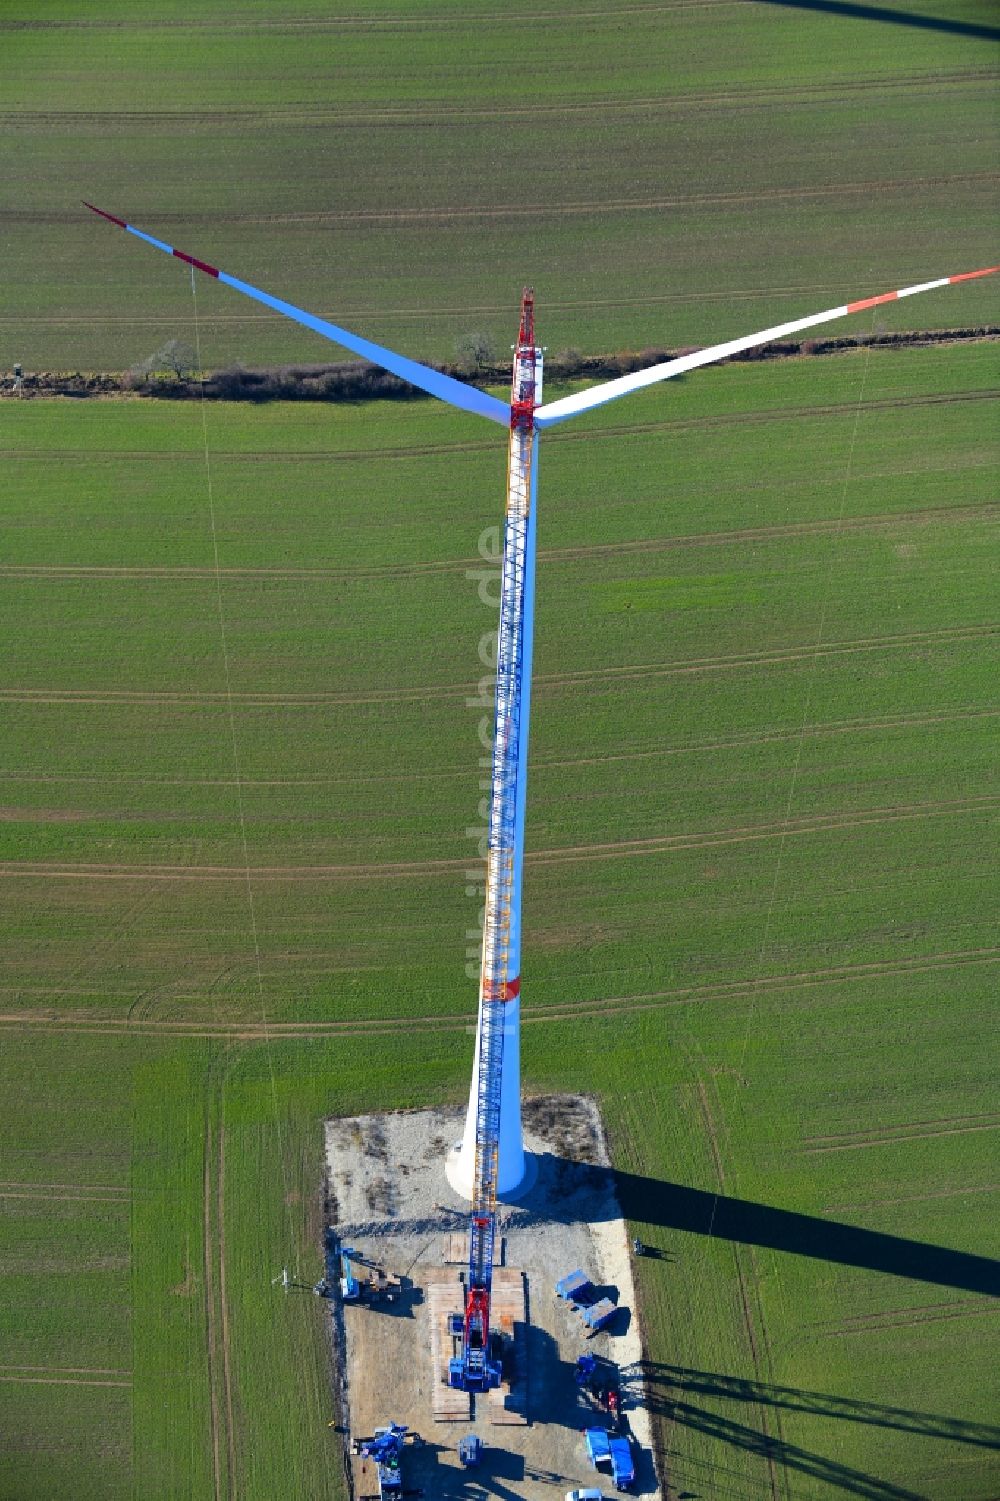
x=475, y=351
x=174, y=356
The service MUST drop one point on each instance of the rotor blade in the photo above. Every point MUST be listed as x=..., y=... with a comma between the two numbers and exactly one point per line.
x=595, y=396
x=455, y=392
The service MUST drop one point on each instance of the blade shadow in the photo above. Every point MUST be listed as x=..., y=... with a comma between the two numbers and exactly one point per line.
x=893, y=17
x=779, y=1452
x=649, y=1201
x=687, y=1382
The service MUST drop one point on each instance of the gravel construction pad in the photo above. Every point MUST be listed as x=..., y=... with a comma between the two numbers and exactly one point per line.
x=388, y=1197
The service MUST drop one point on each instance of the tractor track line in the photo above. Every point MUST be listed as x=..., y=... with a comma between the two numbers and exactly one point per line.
x=68, y=1370
x=939, y=1193
x=727, y=989
x=880, y=1141
x=389, y=24
x=83, y=1188
x=875, y=1322
x=211, y=1336
x=460, y=566
x=902, y=641
x=224, y=1310
x=60, y=1381
x=896, y=1313
x=836, y=1137
x=868, y=189
x=744, y=1291
x=701, y=747
x=734, y=990
x=584, y=677
x=806, y=824
x=694, y=747
x=371, y=315
x=431, y=113
x=64, y=1198
x=432, y=450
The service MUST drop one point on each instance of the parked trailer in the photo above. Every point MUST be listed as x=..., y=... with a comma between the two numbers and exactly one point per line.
x=598, y=1446
x=616, y=1452
x=596, y=1315
x=575, y=1287
x=622, y=1464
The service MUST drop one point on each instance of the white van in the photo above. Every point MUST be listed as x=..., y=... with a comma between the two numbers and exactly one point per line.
x=589, y=1494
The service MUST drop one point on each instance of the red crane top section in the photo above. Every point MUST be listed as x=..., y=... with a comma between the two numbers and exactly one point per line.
x=522, y=396
x=526, y=333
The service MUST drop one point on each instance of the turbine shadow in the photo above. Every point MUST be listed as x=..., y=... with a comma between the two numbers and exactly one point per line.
x=649, y=1201
x=893, y=17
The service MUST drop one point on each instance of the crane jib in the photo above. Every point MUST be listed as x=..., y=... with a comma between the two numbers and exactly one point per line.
x=498, y=986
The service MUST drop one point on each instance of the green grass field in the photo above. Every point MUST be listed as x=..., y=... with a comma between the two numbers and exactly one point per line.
x=759, y=875
x=674, y=174
x=238, y=807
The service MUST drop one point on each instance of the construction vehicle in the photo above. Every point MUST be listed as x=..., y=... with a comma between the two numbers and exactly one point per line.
x=357, y=1276
x=470, y=1450
x=598, y=1380
x=350, y=1288
x=384, y=1449
x=615, y=1451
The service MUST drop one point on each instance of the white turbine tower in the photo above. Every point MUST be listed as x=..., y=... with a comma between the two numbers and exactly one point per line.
x=490, y=1159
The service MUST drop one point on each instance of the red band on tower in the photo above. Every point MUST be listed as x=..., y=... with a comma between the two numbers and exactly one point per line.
x=507, y=990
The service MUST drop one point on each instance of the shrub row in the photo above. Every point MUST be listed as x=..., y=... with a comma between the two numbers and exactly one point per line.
x=360, y=382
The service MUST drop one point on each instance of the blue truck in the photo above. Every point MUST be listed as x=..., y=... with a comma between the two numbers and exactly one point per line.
x=616, y=1453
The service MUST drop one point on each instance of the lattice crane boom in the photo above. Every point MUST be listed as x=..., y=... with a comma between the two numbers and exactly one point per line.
x=475, y=1370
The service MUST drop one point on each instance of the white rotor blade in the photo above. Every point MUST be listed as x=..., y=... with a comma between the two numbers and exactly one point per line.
x=595, y=396
x=455, y=392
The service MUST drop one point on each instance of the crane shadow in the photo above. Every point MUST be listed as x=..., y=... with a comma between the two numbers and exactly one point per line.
x=650, y=1201
x=893, y=17
x=431, y=1471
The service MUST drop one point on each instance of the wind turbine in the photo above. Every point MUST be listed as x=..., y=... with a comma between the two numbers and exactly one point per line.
x=490, y=1160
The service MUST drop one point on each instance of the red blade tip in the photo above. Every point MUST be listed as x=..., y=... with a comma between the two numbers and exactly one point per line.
x=113, y=218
